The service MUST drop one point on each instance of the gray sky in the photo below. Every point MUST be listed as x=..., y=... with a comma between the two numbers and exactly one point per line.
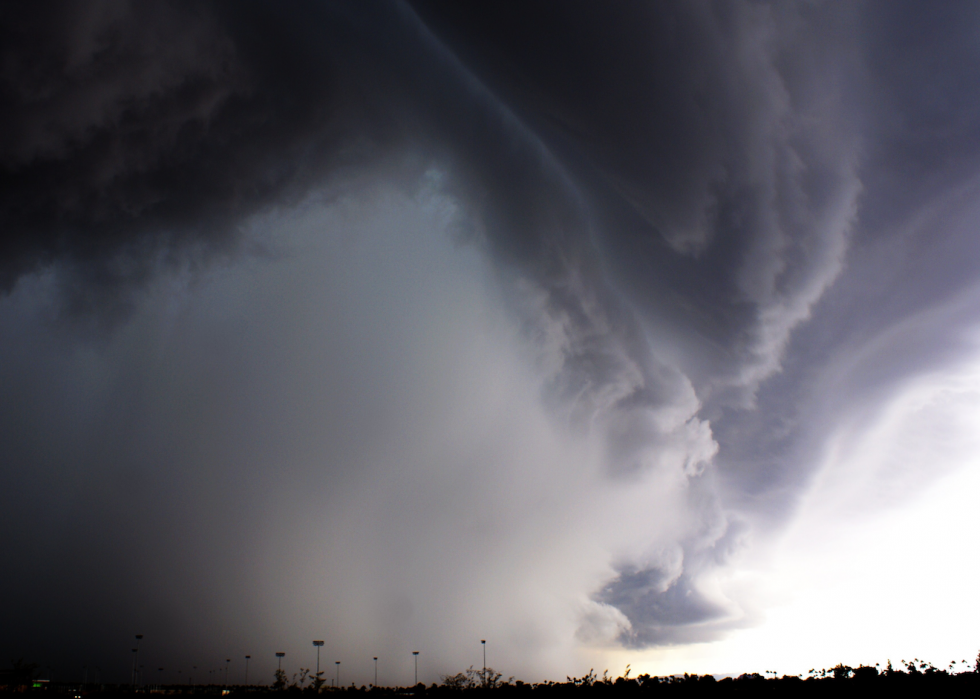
x=589, y=330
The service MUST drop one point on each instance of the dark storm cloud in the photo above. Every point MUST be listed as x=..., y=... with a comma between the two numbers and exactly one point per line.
x=133, y=129
x=664, y=600
x=901, y=305
x=667, y=193
x=721, y=178
x=658, y=607
x=722, y=185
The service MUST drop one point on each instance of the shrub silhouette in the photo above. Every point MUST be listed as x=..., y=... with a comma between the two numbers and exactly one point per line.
x=472, y=678
x=280, y=682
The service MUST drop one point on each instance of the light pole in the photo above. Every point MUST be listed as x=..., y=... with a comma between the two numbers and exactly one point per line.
x=318, y=645
x=227, y=665
x=484, y=642
x=280, y=656
x=136, y=658
x=247, y=657
x=338, y=672
x=416, y=654
x=375, y=671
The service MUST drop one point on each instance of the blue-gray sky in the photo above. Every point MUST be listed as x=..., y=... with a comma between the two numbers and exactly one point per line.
x=576, y=327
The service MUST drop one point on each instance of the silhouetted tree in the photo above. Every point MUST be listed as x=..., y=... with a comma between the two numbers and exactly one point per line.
x=459, y=681
x=474, y=678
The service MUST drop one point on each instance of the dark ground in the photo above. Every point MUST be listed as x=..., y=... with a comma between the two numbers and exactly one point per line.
x=840, y=681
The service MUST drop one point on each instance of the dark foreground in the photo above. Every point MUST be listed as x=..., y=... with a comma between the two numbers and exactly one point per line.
x=838, y=682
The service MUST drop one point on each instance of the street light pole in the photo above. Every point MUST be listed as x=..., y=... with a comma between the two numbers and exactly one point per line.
x=136, y=658
x=375, y=671
x=338, y=673
x=318, y=644
x=227, y=665
x=416, y=654
x=247, y=657
x=484, y=642
x=280, y=656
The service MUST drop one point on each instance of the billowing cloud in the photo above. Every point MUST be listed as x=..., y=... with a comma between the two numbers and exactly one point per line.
x=419, y=320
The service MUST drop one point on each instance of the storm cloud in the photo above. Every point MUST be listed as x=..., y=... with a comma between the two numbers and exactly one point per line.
x=422, y=320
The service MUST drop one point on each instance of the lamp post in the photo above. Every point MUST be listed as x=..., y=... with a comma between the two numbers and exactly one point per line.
x=415, y=653
x=375, y=671
x=484, y=642
x=280, y=656
x=337, y=662
x=136, y=657
x=318, y=645
x=247, y=658
x=227, y=665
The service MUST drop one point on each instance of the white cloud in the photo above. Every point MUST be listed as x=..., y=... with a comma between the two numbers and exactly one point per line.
x=878, y=562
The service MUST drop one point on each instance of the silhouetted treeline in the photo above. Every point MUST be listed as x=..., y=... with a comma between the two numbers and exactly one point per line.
x=838, y=681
